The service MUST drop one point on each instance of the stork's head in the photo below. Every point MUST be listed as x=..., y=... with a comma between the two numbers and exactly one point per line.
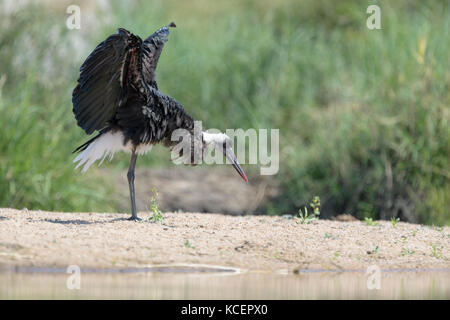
x=222, y=143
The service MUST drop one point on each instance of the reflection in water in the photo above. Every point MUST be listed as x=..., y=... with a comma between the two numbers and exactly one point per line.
x=249, y=285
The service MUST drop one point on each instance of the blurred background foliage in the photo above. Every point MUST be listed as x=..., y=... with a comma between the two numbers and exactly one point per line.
x=363, y=115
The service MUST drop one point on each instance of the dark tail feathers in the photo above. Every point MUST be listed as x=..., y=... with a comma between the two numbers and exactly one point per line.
x=87, y=143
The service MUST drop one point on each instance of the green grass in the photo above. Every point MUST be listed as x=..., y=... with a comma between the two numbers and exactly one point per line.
x=157, y=215
x=394, y=221
x=363, y=115
x=371, y=222
x=37, y=132
x=188, y=245
x=435, y=251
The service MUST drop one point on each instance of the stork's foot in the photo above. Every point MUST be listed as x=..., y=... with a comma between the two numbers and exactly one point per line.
x=133, y=218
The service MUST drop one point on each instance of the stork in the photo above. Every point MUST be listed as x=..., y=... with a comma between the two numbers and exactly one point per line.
x=117, y=96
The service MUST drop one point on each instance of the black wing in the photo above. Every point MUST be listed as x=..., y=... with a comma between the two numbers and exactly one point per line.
x=153, y=118
x=151, y=51
x=99, y=92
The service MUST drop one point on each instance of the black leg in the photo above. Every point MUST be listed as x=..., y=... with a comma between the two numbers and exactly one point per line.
x=130, y=177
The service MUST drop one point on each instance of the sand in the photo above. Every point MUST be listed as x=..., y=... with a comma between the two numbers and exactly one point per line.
x=105, y=240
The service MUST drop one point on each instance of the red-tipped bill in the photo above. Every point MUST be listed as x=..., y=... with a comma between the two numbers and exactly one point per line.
x=236, y=165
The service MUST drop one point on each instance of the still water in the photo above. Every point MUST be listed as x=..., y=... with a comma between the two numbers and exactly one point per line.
x=205, y=282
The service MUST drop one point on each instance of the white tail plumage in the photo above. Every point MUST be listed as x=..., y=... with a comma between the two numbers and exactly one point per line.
x=105, y=145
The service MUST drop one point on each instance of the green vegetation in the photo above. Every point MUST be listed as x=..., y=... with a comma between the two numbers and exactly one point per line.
x=370, y=222
x=363, y=115
x=157, y=215
x=408, y=251
x=435, y=251
x=394, y=221
x=305, y=217
x=37, y=132
x=188, y=245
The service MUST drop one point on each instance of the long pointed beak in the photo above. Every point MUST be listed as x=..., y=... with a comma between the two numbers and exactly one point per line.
x=232, y=158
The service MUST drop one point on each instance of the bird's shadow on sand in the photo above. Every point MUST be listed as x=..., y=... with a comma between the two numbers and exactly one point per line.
x=86, y=222
x=71, y=221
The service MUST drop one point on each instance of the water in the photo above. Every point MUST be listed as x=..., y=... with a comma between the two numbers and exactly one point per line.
x=205, y=282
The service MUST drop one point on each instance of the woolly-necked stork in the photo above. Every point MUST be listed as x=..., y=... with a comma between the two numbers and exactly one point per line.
x=118, y=97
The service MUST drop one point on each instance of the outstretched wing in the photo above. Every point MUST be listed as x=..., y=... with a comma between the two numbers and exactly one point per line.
x=151, y=51
x=100, y=86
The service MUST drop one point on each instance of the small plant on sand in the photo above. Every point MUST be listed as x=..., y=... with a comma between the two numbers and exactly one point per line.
x=394, y=221
x=189, y=245
x=407, y=251
x=157, y=215
x=434, y=251
x=375, y=250
x=370, y=222
x=305, y=217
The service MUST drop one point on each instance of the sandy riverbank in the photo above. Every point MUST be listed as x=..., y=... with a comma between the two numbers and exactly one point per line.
x=104, y=240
